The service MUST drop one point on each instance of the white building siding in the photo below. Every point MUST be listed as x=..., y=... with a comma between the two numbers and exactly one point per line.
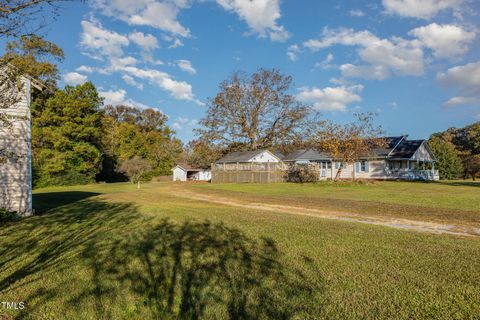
x=422, y=154
x=179, y=174
x=15, y=173
x=265, y=156
x=373, y=169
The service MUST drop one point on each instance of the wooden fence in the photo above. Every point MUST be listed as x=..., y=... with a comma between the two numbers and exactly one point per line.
x=249, y=172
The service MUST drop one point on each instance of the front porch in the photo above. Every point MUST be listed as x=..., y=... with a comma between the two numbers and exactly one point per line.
x=412, y=170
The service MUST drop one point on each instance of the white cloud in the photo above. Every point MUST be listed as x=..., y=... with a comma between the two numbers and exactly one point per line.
x=109, y=45
x=100, y=42
x=326, y=63
x=356, y=13
x=421, y=9
x=74, y=78
x=378, y=72
x=293, y=51
x=131, y=81
x=331, y=98
x=145, y=41
x=383, y=56
x=85, y=69
x=178, y=89
x=182, y=123
x=466, y=79
x=162, y=15
x=446, y=41
x=186, y=66
x=176, y=43
x=260, y=15
x=119, y=97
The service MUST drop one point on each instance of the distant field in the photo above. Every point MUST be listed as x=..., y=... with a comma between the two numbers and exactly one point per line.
x=109, y=251
x=457, y=201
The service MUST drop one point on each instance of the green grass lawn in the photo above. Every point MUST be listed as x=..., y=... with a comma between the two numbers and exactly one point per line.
x=449, y=202
x=112, y=252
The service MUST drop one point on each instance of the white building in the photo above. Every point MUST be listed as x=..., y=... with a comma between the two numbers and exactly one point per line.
x=188, y=173
x=15, y=149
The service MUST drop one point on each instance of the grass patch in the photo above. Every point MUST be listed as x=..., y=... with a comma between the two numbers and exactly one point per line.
x=452, y=202
x=111, y=252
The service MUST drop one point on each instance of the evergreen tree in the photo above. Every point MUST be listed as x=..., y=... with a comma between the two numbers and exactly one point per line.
x=66, y=135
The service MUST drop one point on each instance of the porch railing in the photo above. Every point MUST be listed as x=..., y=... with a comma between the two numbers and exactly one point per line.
x=426, y=175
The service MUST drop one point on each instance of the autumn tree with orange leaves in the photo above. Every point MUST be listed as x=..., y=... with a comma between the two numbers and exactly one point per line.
x=349, y=142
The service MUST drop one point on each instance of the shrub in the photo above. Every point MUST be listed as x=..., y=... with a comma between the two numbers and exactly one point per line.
x=6, y=215
x=302, y=174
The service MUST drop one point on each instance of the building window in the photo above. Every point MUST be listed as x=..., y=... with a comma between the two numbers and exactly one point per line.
x=363, y=166
x=326, y=165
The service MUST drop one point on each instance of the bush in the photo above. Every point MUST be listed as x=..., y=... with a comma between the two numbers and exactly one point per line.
x=6, y=215
x=302, y=174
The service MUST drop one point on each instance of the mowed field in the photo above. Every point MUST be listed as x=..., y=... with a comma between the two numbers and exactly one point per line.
x=280, y=251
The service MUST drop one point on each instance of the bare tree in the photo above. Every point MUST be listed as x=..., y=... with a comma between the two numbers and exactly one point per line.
x=134, y=168
x=27, y=17
x=256, y=111
x=349, y=142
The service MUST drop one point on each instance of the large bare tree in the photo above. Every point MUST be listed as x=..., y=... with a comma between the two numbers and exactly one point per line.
x=255, y=111
x=350, y=142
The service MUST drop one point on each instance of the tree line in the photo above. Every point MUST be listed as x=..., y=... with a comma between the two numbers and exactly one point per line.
x=458, y=152
x=77, y=140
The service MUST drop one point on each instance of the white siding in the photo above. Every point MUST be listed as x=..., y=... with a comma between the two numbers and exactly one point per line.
x=205, y=175
x=422, y=154
x=15, y=174
x=375, y=169
x=265, y=156
x=179, y=174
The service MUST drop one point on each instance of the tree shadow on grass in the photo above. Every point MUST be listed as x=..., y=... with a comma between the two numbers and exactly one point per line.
x=134, y=266
x=203, y=270
x=43, y=202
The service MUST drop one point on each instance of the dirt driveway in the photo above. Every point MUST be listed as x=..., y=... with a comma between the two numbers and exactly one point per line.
x=405, y=224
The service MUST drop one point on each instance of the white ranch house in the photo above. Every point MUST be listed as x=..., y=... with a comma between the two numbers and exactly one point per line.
x=401, y=159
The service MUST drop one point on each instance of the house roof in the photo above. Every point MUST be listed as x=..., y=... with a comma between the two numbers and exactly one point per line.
x=187, y=167
x=306, y=154
x=390, y=144
x=242, y=156
x=406, y=149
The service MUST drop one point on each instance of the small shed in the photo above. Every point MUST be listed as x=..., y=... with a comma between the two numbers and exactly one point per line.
x=184, y=172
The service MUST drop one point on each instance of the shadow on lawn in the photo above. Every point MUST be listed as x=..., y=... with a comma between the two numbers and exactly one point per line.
x=43, y=202
x=140, y=267
x=462, y=183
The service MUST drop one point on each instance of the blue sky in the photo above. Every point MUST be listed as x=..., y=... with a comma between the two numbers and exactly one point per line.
x=415, y=62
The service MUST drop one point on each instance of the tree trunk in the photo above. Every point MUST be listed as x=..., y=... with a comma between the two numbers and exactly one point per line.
x=339, y=172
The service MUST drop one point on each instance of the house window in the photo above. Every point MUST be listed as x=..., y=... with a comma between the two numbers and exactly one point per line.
x=326, y=165
x=363, y=166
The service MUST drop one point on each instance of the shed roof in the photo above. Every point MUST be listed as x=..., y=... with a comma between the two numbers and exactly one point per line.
x=187, y=167
x=242, y=156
